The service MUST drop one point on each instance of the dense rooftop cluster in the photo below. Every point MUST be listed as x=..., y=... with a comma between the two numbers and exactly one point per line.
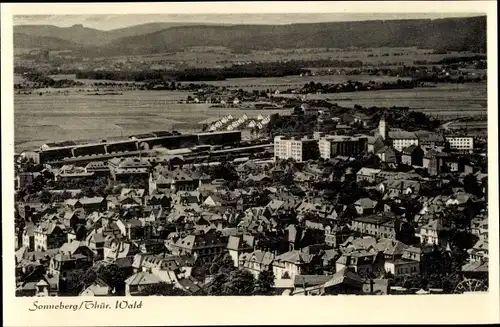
x=389, y=211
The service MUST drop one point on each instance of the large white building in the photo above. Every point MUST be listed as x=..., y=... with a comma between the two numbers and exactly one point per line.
x=299, y=149
x=402, y=139
x=461, y=142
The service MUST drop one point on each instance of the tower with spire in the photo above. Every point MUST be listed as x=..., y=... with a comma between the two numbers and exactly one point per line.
x=382, y=128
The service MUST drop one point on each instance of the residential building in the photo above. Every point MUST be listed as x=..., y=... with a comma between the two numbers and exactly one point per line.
x=293, y=263
x=204, y=246
x=375, y=225
x=413, y=155
x=339, y=145
x=298, y=149
x=49, y=235
x=367, y=174
x=256, y=262
x=402, y=139
x=461, y=142
x=429, y=233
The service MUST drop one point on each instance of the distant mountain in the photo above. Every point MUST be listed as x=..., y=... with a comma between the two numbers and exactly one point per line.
x=75, y=34
x=459, y=34
x=23, y=41
x=92, y=37
x=143, y=29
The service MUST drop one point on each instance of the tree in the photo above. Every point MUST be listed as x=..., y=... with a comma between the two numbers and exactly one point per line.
x=217, y=284
x=162, y=289
x=77, y=280
x=112, y=275
x=222, y=263
x=240, y=282
x=265, y=283
x=45, y=197
x=472, y=186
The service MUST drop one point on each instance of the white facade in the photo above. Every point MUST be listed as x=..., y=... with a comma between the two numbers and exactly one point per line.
x=282, y=269
x=325, y=148
x=286, y=148
x=461, y=142
x=402, y=268
x=400, y=144
x=382, y=129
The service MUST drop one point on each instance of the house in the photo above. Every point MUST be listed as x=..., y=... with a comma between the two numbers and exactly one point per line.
x=365, y=206
x=359, y=261
x=136, y=283
x=161, y=265
x=292, y=263
x=388, y=155
x=91, y=204
x=49, y=235
x=413, y=155
x=61, y=264
x=429, y=233
x=98, y=168
x=344, y=281
x=402, y=268
x=239, y=244
x=375, y=225
x=430, y=139
x=399, y=187
x=336, y=235
x=47, y=286
x=97, y=288
x=70, y=172
x=28, y=236
x=256, y=262
x=123, y=169
x=402, y=139
x=203, y=246
x=173, y=180
x=374, y=144
x=479, y=251
x=76, y=247
x=367, y=174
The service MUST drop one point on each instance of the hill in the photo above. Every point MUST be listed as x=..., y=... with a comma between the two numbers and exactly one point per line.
x=85, y=36
x=452, y=34
x=77, y=34
x=23, y=41
x=460, y=34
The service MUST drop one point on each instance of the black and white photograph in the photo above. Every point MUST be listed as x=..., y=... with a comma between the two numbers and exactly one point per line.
x=258, y=154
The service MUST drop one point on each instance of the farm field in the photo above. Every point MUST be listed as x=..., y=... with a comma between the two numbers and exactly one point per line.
x=52, y=117
x=442, y=100
x=219, y=57
x=55, y=116
x=280, y=83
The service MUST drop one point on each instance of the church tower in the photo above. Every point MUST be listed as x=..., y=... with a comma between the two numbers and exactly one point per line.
x=382, y=128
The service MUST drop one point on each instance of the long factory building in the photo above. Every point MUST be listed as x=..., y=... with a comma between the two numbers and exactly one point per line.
x=172, y=140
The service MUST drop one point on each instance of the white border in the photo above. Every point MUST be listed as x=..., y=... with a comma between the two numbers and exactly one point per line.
x=476, y=308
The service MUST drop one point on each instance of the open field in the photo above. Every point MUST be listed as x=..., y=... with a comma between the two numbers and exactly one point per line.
x=39, y=119
x=55, y=116
x=218, y=57
x=280, y=83
x=442, y=100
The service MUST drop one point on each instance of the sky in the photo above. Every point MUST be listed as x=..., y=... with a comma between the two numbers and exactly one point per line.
x=109, y=22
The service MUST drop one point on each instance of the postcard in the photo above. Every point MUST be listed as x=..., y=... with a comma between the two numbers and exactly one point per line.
x=250, y=163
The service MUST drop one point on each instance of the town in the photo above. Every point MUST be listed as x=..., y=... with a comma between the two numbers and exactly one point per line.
x=323, y=200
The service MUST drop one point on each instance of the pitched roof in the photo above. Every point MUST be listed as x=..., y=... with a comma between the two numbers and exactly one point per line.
x=402, y=135
x=344, y=276
x=142, y=278
x=296, y=257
